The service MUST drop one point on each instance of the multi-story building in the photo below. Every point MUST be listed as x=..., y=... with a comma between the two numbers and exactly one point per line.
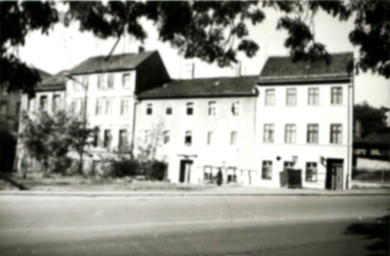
x=10, y=109
x=304, y=121
x=108, y=88
x=252, y=129
x=207, y=125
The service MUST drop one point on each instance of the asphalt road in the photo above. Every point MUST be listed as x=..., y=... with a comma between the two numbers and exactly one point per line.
x=208, y=225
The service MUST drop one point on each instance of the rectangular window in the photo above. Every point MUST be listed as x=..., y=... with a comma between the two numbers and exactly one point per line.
x=43, y=103
x=110, y=81
x=313, y=97
x=212, y=108
x=288, y=165
x=100, y=82
x=99, y=106
x=122, y=138
x=166, y=137
x=335, y=134
x=311, y=171
x=270, y=97
x=108, y=107
x=337, y=95
x=291, y=97
x=124, y=107
x=290, y=133
x=188, y=138
x=126, y=81
x=107, y=138
x=85, y=81
x=18, y=107
x=4, y=107
x=233, y=138
x=236, y=108
x=56, y=102
x=149, y=109
x=95, y=141
x=168, y=111
x=209, y=138
x=268, y=133
x=190, y=108
x=266, y=171
x=312, y=133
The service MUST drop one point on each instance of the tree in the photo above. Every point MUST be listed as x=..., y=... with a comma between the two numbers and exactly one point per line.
x=49, y=138
x=213, y=31
x=373, y=120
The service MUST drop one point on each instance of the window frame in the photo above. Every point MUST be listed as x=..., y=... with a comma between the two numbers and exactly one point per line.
x=291, y=97
x=128, y=84
x=149, y=109
x=188, y=138
x=212, y=110
x=313, y=169
x=267, y=131
x=293, y=134
x=267, y=97
x=266, y=170
x=236, y=108
x=190, y=108
x=312, y=132
x=336, y=134
x=313, y=96
x=336, y=95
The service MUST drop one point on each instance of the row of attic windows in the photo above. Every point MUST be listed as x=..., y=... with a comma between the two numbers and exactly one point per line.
x=313, y=97
x=212, y=108
x=104, y=82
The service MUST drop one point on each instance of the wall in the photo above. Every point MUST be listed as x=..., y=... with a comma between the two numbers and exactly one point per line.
x=371, y=164
x=113, y=121
x=220, y=153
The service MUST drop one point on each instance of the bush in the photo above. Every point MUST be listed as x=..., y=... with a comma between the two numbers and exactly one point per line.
x=155, y=170
x=125, y=167
x=60, y=165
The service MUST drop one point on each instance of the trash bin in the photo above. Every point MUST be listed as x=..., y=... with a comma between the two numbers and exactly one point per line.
x=294, y=178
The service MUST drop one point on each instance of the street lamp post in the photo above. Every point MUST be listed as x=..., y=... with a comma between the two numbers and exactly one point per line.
x=85, y=87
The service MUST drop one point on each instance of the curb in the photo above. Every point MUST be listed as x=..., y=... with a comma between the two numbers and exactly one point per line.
x=181, y=194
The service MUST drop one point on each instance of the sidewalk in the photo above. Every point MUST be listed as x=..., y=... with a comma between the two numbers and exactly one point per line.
x=214, y=191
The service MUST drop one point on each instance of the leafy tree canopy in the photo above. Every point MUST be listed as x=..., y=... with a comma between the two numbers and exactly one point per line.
x=373, y=120
x=212, y=31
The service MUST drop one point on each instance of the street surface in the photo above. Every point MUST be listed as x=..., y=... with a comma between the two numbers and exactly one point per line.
x=194, y=225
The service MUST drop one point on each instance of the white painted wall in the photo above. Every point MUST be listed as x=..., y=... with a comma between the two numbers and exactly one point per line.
x=301, y=115
x=220, y=153
x=114, y=121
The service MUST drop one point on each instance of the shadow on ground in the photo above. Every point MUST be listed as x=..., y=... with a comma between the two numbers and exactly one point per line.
x=377, y=231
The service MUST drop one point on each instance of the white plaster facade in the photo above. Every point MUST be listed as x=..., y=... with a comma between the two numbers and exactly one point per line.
x=207, y=154
x=112, y=114
x=324, y=114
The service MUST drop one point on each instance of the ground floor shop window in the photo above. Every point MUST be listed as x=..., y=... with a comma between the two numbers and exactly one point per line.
x=311, y=172
x=266, y=173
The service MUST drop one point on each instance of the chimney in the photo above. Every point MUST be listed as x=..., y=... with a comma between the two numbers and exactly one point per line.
x=238, y=69
x=189, y=71
x=141, y=49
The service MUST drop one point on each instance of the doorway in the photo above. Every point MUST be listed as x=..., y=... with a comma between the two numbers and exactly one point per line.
x=334, y=174
x=185, y=171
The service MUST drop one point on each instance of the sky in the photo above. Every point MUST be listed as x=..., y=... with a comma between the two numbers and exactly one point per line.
x=65, y=47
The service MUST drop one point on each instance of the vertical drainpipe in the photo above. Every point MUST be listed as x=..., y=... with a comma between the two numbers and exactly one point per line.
x=133, y=127
x=351, y=96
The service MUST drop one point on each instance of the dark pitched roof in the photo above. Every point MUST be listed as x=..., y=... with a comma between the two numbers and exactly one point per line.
x=374, y=139
x=43, y=74
x=204, y=87
x=114, y=63
x=282, y=69
x=53, y=83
